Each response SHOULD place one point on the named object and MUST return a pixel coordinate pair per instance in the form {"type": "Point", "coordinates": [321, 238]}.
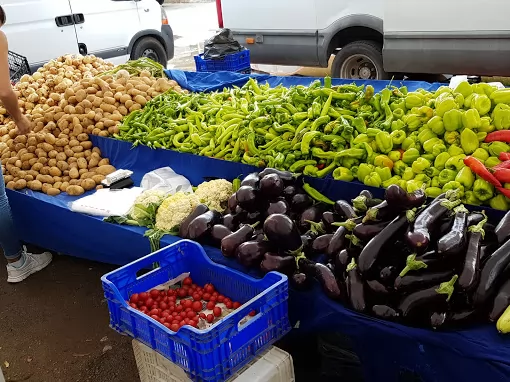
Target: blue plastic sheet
{"type": "Point", "coordinates": [385, 348]}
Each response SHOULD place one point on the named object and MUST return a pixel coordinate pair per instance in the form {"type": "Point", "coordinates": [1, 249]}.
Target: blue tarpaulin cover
{"type": "Point", "coordinates": [385, 348]}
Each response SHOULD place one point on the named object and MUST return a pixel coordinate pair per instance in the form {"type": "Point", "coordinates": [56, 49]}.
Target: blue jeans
{"type": "Point", "coordinates": [8, 239]}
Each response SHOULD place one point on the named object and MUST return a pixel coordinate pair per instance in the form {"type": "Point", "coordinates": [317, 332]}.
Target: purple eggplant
{"type": "Point", "coordinates": [275, 262]}
{"type": "Point", "coordinates": [219, 231]}
{"type": "Point", "coordinates": [320, 244]}
{"type": "Point", "coordinates": [286, 176]}
{"type": "Point", "coordinates": [399, 198]}
{"type": "Point", "coordinates": [328, 218]}
{"type": "Point", "coordinates": [311, 214]}
{"type": "Point", "coordinates": [289, 192]}
{"type": "Point", "coordinates": [232, 203]}
{"type": "Point", "coordinates": [251, 180]}
{"type": "Point", "coordinates": [366, 232]}
{"type": "Point", "coordinates": [254, 217]}
{"type": "Point", "coordinates": [322, 274]}
{"type": "Point", "coordinates": [385, 312]}
{"type": "Point", "coordinates": [382, 212]}
{"type": "Point", "coordinates": [502, 230]}
{"type": "Point", "coordinates": [229, 221]}
{"type": "Point", "coordinates": [344, 209]}
{"type": "Point", "coordinates": [199, 210]}
{"type": "Point", "coordinates": [501, 302]}
{"type": "Point", "coordinates": [251, 253]}
{"type": "Point", "coordinates": [282, 232]}
{"type": "Point", "coordinates": [470, 274]}
{"type": "Point", "coordinates": [278, 207]}
{"type": "Point", "coordinates": [337, 243]}
{"type": "Point", "coordinates": [455, 241]}
{"type": "Point", "coordinates": [376, 287]}
{"type": "Point", "coordinates": [388, 274]}
{"type": "Point", "coordinates": [271, 186]}
{"type": "Point", "coordinates": [201, 226]}
{"type": "Point", "coordinates": [300, 202]}
{"type": "Point", "coordinates": [248, 198]}
{"type": "Point", "coordinates": [364, 201]}
{"type": "Point", "coordinates": [420, 280]}
{"type": "Point", "coordinates": [453, 319]}
{"type": "Point", "coordinates": [474, 218]}
{"type": "Point", "coordinates": [355, 287]}
{"type": "Point", "coordinates": [230, 243]}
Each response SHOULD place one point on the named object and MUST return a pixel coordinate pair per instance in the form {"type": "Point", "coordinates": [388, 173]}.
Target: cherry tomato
{"type": "Point", "coordinates": [236, 305]}
{"type": "Point", "coordinates": [155, 317]}
{"type": "Point", "coordinates": [163, 305]}
{"type": "Point", "coordinates": [194, 323]}
{"type": "Point", "coordinates": [229, 304]}
{"type": "Point", "coordinates": [202, 315]}
{"type": "Point", "coordinates": [210, 318]}
{"type": "Point", "coordinates": [206, 296]}
{"type": "Point", "coordinates": [170, 293]}
{"type": "Point", "coordinates": [197, 306]}
{"type": "Point", "coordinates": [179, 308]}
{"type": "Point", "coordinates": [143, 296]}
{"type": "Point", "coordinates": [162, 320]}
{"type": "Point", "coordinates": [186, 320]}
{"type": "Point", "coordinates": [154, 312]}
{"type": "Point", "coordinates": [217, 311]}
{"type": "Point", "coordinates": [172, 298]}
{"type": "Point", "coordinates": [197, 297]}
{"type": "Point", "coordinates": [188, 303]}
{"type": "Point", "coordinates": [143, 309]}
{"type": "Point", "coordinates": [182, 293]}
{"type": "Point", "coordinates": [169, 326]}
{"type": "Point", "coordinates": [165, 299]}
{"type": "Point", "coordinates": [175, 322]}
{"type": "Point", "coordinates": [191, 315]}
{"type": "Point", "coordinates": [188, 310]}
{"type": "Point", "coordinates": [171, 308]}
{"type": "Point", "coordinates": [209, 288]}
{"type": "Point", "coordinates": [215, 294]}
{"type": "Point", "coordinates": [166, 313]}
{"type": "Point", "coordinates": [132, 305]}
{"type": "Point", "coordinates": [154, 293]}
{"type": "Point", "coordinates": [159, 298]}
{"type": "Point", "coordinates": [187, 281]}
{"type": "Point", "coordinates": [252, 313]}
{"type": "Point", "coordinates": [213, 299]}
{"type": "Point", "coordinates": [174, 327]}
{"type": "Point", "coordinates": [221, 298]}
{"type": "Point", "coordinates": [182, 323]}
{"type": "Point", "coordinates": [134, 298]}
{"type": "Point", "coordinates": [210, 305]}
{"type": "Point", "coordinates": [149, 302]}
{"type": "Point", "coordinates": [162, 293]}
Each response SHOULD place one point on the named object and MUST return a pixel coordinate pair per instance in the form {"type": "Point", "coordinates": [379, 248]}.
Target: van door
{"type": "Point", "coordinates": [453, 39]}
{"type": "Point", "coordinates": [105, 27]}
{"type": "Point", "coordinates": [40, 31]}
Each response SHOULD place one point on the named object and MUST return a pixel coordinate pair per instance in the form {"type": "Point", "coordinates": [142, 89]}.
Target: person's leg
{"type": "Point", "coordinates": [8, 239]}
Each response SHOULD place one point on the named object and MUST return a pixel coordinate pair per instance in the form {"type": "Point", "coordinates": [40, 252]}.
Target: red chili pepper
{"type": "Point", "coordinates": [500, 136]}
{"type": "Point", "coordinates": [504, 156]}
{"type": "Point", "coordinates": [504, 191]}
{"type": "Point", "coordinates": [479, 169]}
{"type": "Point", "coordinates": [503, 175]}
{"type": "Point", "coordinates": [320, 166]}
{"type": "Point", "coordinates": [505, 164]}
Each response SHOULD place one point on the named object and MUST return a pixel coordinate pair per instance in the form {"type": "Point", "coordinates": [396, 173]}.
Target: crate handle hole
{"type": "Point", "coordinates": [144, 271]}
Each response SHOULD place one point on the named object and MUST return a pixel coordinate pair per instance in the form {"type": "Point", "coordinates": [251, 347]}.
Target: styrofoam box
{"type": "Point", "coordinates": [275, 365]}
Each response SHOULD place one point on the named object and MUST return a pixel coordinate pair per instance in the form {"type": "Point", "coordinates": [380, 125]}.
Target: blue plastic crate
{"type": "Point", "coordinates": [216, 353]}
{"type": "Point", "coordinates": [235, 62]}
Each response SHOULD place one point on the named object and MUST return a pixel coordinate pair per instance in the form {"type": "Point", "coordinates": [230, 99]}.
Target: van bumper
{"type": "Point", "coordinates": [168, 36]}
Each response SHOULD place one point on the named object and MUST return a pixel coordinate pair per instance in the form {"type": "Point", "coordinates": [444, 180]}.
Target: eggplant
{"type": "Point", "coordinates": [355, 287]}
{"type": "Point", "coordinates": [502, 230]}
{"type": "Point", "coordinates": [229, 222]}
{"type": "Point", "coordinates": [311, 214]}
{"type": "Point", "coordinates": [372, 251]}
{"type": "Point", "coordinates": [434, 297]}
{"type": "Point", "coordinates": [300, 281]}
{"type": "Point", "coordinates": [364, 201]}
{"type": "Point", "coordinates": [388, 274]}
{"type": "Point", "coordinates": [248, 198]}
{"type": "Point", "coordinates": [320, 244]}
{"type": "Point", "coordinates": [493, 274]}
{"type": "Point", "coordinates": [490, 234]}
{"type": "Point", "coordinates": [300, 202]}
{"type": "Point", "coordinates": [342, 260]}
{"type": "Point", "coordinates": [344, 209]}
{"type": "Point", "coordinates": [219, 231]}
{"type": "Point", "coordinates": [383, 211]}
{"type": "Point", "coordinates": [367, 232]}
{"type": "Point", "coordinates": [278, 207]}
{"type": "Point", "coordinates": [251, 180]}
{"type": "Point", "coordinates": [251, 253]}
{"type": "Point", "coordinates": [421, 280]}
{"type": "Point", "coordinates": [328, 218]}
{"type": "Point", "coordinates": [274, 262]}
{"type": "Point", "coordinates": [258, 235]}
{"type": "Point", "coordinates": [486, 252]}
{"type": "Point", "coordinates": [232, 203]}
{"type": "Point", "coordinates": [199, 210]}
{"type": "Point", "coordinates": [398, 198]}
{"type": "Point", "coordinates": [230, 243]}
{"type": "Point", "coordinates": [444, 226]}
{"type": "Point", "coordinates": [454, 243]}
{"type": "Point", "coordinates": [474, 218]}
{"type": "Point", "coordinates": [282, 232]}
{"type": "Point", "coordinates": [289, 192]}
{"type": "Point", "coordinates": [453, 319]}
{"type": "Point", "coordinates": [501, 302]}
{"type": "Point", "coordinates": [337, 242]}
{"type": "Point", "coordinates": [376, 287]}
{"type": "Point", "coordinates": [286, 176]}
{"type": "Point", "coordinates": [419, 236]}
{"type": "Point", "coordinates": [322, 274]}
{"type": "Point", "coordinates": [202, 225]}
{"type": "Point", "coordinates": [307, 240]}
{"type": "Point", "coordinates": [254, 217]}
{"type": "Point", "coordinates": [385, 312]}
{"type": "Point", "coordinates": [271, 186]}
{"type": "Point", "coordinates": [470, 274]}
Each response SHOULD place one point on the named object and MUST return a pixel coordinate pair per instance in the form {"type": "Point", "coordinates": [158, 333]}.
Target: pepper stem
{"type": "Point", "coordinates": [479, 227]}
{"type": "Point", "coordinates": [447, 287]}
{"type": "Point", "coordinates": [412, 265]}
{"type": "Point", "coordinates": [359, 203]}
{"type": "Point", "coordinates": [352, 265]}
{"type": "Point", "coordinates": [348, 224]}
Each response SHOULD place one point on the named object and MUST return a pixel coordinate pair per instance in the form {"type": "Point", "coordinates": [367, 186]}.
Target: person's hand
{"type": "Point", "coordinates": [24, 125]}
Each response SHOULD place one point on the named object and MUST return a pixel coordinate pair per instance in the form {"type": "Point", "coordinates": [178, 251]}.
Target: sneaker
{"type": "Point", "coordinates": [33, 263]}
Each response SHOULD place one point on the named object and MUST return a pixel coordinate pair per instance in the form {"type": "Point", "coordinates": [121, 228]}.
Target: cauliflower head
{"type": "Point", "coordinates": [175, 209]}
{"type": "Point", "coordinates": [145, 206]}
{"type": "Point", "coordinates": [215, 194]}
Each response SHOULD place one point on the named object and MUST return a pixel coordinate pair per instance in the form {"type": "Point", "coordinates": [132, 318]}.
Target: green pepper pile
{"type": "Point", "coordinates": [413, 139]}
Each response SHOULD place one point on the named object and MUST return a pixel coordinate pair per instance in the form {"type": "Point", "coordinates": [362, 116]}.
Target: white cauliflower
{"type": "Point", "coordinates": [215, 194]}
{"type": "Point", "coordinates": [174, 210]}
{"type": "Point", "coordinates": [151, 197]}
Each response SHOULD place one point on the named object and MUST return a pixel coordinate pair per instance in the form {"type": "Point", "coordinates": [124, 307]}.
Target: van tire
{"type": "Point", "coordinates": [367, 55]}
{"type": "Point", "coordinates": [151, 48]}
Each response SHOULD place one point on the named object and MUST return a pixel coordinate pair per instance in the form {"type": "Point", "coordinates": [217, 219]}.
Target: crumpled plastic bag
{"type": "Point", "coordinates": [220, 45]}
{"type": "Point", "coordinates": [167, 180]}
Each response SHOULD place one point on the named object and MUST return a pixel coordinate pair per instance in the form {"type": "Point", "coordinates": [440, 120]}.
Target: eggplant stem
{"type": "Point", "coordinates": [412, 265]}
{"type": "Point", "coordinates": [316, 227]}
{"type": "Point", "coordinates": [450, 204]}
{"type": "Point", "coordinates": [411, 215]}
{"type": "Point", "coordinates": [359, 203]}
{"type": "Point", "coordinates": [479, 227]}
{"type": "Point", "coordinates": [371, 215]}
{"type": "Point", "coordinates": [348, 224]}
{"type": "Point", "coordinates": [254, 225]}
{"type": "Point", "coordinates": [352, 265]}
{"type": "Point", "coordinates": [299, 256]}
{"type": "Point", "coordinates": [447, 287]}
{"type": "Point", "coordinates": [461, 208]}
{"type": "Point", "coordinates": [354, 240]}
{"type": "Point", "coordinates": [452, 194]}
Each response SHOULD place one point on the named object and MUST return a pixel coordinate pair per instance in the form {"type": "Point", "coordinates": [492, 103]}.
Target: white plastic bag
{"type": "Point", "coordinates": [167, 180]}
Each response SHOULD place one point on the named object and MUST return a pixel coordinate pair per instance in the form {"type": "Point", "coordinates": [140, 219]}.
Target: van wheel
{"type": "Point", "coordinates": [360, 60]}
{"type": "Point", "coordinates": [151, 48]}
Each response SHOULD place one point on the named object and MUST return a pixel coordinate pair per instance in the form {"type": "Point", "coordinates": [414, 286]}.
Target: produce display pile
{"type": "Point", "coordinates": [442, 140]}
{"type": "Point", "coordinates": [68, 99]}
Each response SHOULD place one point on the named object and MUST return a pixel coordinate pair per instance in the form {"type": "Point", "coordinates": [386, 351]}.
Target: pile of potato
{"type": "Point", "coordinates": [67, 102]}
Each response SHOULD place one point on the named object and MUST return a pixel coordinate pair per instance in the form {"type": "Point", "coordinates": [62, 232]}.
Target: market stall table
{"type": "Point", "coordinates": [385, 348]}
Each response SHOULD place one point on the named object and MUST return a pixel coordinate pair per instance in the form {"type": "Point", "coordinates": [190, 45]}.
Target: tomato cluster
{"type": "Point", "coordinates": [174, 309]}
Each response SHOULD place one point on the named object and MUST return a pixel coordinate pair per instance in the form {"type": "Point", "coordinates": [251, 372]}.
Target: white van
{"type": "Point", "coordinates": [117, 30]}
{"type": "Point", "coordinates": [374, 39]}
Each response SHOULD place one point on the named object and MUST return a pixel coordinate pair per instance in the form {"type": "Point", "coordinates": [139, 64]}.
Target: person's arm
{"type": "Point", "coordinates": [7, 95]}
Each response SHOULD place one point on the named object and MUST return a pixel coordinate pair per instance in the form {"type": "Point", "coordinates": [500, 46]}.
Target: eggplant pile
{"type": "Point", "coordinates": [401, 259]}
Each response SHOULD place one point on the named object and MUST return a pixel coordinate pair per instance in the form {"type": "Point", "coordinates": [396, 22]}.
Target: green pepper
{"type": "Point", "coordinates": [491, 162]}
{"type": "Point", "coordinates": [414, 185]}
{"type": "Point", "coordinates": [373, 179]}
{"type": "Point", "coordinates": [359, 124]}
{"type": "Point", "coordinates": [399, 167]}
{"type": "Point", "coordinates": [452, 120]}
{"type": "Point", "coordinates": [410, 156]}
{"type": "Point", "coordinates": [456, 162]}
{"type": "Point", "coordinates": [482, 104]}
{"type": "Point", "coordinates": [468, 141]}
{"type": "Point", "coordinates": [433, 192]}
{"type": "Point", "coordinates": [431, 171]}
{"type": "Point", "coordinates": [307, 140]}
{"type": "Point", "coordinates": [453, 185]}
{"type": "Point", "coordinates": [393, 180]}
{"type": "Point", "coordinates": [438, 149]}
{"type": "Point", "coordinates": [322, 173]}
{"type": "Point", "coordinates": [496, 148]}
{"type": "Point", "coordinates": [423, 178]}
{"type": "Point", "coordinates": [354, 171]}
{"type": "Point", "coordinates": [360, 139]}
{"type": "Point", "coordinates": [501, 96]}
{"type": "Point", "coordinates": [468, 101]}
{"type": "Point", "coordinates": [402, 184]}
{"type": "Point", "coordinates": [501, 116]}
{"type": "Point", "coordinates": [481, 154]}
{"type": "Point", "coordinates": [465, 177]}
{"type": "Point", "coordinates": [454, 150]}
{"type": "Point", "coordinates": [459, 99]}
{"type": "Point", "coordinates": [470, 198]}
{"type": "Point", "coordinates": [397, 137]}
{"type": "Point", "coordinates": [398, 125]}
{"type": "Point", "coordinates": [408, 174]}
{"type": "Point", "coordinates": [412, 121]}
{"type": "Point", "coordinates": [394, 155]}
{"type": "Point", "coordinates": [383, 172]}
{"type": "Point", "coordinates": [434, 182]}
{"type": "Point", "coordinates": [355, 152]}
{"type": "Point", "coordinates": [364, 169]}
{"type": "Point", "coordinates": [419, 165]}
{"type": "Point", "coordinates": [398, 113]}
{"type": "Point", "coordinates": [452, 137]}
{"type": "Point", "coordinates": [499, 202]}
{"type": "Point", "coordinates": [426, 134]}
{"type": "Point", "coordinates": [384, 142]}
{"type": "Point", "coordinates": [436, 125]}
{"type": "Point", "coordinates": [383, 161]}
{"type": "Point", "coordinates": [446, 176]}
{"type": "Point", "coordinates": [464, 88]}
{"type": "Point", "coordinates": [399, 104]}
{"type": "Point", "coordinates": [471, 119]}
{"type": "Point", "coordinates": [444, 105]}
{"type": "Point", "coordinates": [483, 190]}
{"type": "Point", "coordinates": [349, 162]}
{"type": "Point", "coordinates": [342, 173]}
{"type": "Point", "coordinates": [413, 100]}
{"type": "Point", "coordinates": [486, 125]}
{"type": "Point", "coordinates": [300, 164]}
{"type": "Point", "coordinates": [429, 145]}
{"type": "Point", "coordinates": [481, 136]}
{"type": "Point", "coordinates": [410, 142]}
{"type": "Point", "coordinates": [372, 132]}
